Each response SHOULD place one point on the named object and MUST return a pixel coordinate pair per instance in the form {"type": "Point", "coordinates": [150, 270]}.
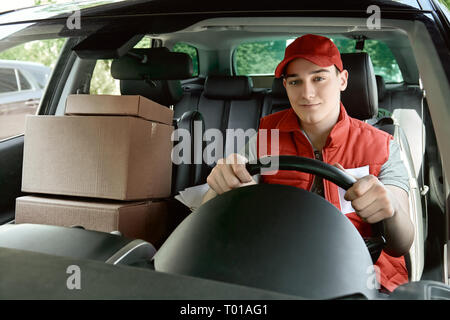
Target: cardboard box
{"type": "Point", "coordinates": [111, 157]}
{"type": "Point", "coordinates": [85, 104]}
{"type": "Point", "coordinates": [146, 220]}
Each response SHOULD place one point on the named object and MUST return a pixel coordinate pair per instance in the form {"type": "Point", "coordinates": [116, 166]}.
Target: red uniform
{"type": "Point", "coordinates": [353, 144]}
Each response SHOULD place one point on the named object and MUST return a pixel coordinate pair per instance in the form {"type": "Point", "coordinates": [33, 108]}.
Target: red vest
{"type": "Point", "coordinates": [353, 144]}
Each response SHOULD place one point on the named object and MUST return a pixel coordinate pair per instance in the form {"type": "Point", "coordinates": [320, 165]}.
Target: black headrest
{"type": "Point", "coordinates": [381, 87]}
{"type": "Point", "coordinates": [278, 89]}
{"type": "Point", "coordinates": [165, 92]}
{"type": "Point", "coordinates": [228, 87]}
{"type": "Point", "coordinates": [360, 98]}
{"type": "Point", "coordinates": [152, 63]}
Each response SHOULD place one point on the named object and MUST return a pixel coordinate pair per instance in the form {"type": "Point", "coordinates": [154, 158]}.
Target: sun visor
{"type": "Point", "coordinates": [152, 64]}
{"type": "Point", "coordinates": [106, 45]}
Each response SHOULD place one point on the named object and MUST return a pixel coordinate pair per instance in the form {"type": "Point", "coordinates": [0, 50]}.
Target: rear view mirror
{"type": "Point", "coordinates": [106, 46]}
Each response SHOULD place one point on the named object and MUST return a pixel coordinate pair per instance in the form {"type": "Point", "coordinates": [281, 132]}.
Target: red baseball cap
{"type": "Point", "coordinates": [317, 49]}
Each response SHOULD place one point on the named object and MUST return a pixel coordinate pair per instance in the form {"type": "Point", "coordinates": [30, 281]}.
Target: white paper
{"type": "Point", "coordinates": [346, 206]}
{"type": "Point", "coordinates": [192, 196]}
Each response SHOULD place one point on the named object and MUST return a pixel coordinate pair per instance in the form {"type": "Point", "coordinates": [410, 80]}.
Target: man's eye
{"type": "Point", "coordinates": [293, 83]}
{"type": "Point", "coordinates": [319, 78]}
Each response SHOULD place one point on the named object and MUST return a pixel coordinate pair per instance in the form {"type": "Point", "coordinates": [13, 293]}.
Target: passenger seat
{"type": "Point", "coordinates": [405, 104]}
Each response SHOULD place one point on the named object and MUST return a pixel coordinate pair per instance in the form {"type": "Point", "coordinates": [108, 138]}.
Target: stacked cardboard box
{"type": "Point", "coordinates": [106, 147]}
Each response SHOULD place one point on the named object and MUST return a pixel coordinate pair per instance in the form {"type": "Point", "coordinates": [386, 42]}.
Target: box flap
{"type": "Point", "coordinates": [151, 110]}
{"type": "Point", "coordinates": [127, 105]}
{"type": "Point", "coordinates": [80, 202]}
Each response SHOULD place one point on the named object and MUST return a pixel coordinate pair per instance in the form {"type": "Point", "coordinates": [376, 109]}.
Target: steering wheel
{"type": "Point", "coordinates": [275, 237]}
{"type": "Point", "coordinates": [376, 243]}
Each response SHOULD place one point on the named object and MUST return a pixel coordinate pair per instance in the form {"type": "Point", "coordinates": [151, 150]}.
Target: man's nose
{"type": "Point", "coordinates": [308, 91]}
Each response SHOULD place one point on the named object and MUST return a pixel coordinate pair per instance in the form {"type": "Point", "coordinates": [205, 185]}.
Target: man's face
{"type": "Point", "coordinates": [314, 91]}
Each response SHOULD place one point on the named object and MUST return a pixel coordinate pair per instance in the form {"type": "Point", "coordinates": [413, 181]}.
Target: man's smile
{"type": "Point", "coordinates": [309, 105]}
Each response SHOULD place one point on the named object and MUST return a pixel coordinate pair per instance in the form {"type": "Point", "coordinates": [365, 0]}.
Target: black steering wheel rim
{"type": "Point", "coordinates": [376, 243]}
{"type": "Point", "coordinates": [303, 164]}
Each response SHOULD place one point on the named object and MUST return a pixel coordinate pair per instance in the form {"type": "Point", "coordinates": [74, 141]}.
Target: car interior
{"type": "Point", "coordinates": [222, 99]}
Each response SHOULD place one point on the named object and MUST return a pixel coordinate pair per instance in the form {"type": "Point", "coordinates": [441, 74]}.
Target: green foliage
{"type": "Point", "coordinates": [262, 57]}
{"type": "Point", "coordinates": [46, 52]}
{"type": "Point", "coordinates": [145, 42]}
{"type": "Point", "coordinates": [102, 82]}
{"type": "Point", "coordinates": [41, 51]}
{"type": "Point", "coordinates": [191, 51]}
{"type": "Point", "coordinates": [383, 60]}
{"type": "Point", "coordinates": [258, 57]}
{"type": "Point", "coordinates": [41, 2]}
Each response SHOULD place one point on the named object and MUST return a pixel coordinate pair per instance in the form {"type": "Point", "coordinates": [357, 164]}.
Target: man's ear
{"type": "Point", "coordinates": [284, 82]}
{"type": "Point", "coordinates": [343, 80]}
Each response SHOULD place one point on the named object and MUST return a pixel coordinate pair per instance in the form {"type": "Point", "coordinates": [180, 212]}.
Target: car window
{"type": "Point", "coordinates": [258, 58]}
{"type": "Point", "coordinates": [8, 81]}
{"type": "Point", "coordinates": [102, 82]}
{"type": "Point", "coordinates": [145, 42]}
{"type": "Point", "coordinates": [262, 57]}
{"type": "Point", "coordinates": [24, 84]}
{"type": "Point", "coordinates": [24, 72]}
{"type": "Point", "coordinates": [192, 52]}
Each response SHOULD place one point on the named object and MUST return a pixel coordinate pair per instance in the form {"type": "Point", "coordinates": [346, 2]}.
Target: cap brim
{"type": "Point", "coordinates": [321, 61]}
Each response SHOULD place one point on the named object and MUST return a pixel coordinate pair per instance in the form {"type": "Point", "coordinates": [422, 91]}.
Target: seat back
{"type": "Point", "coordinates": [231, 110]}
{"type": "Point", "coordinates": [360, 98]}
{"type": "Point", "coordinates": [277, 99]}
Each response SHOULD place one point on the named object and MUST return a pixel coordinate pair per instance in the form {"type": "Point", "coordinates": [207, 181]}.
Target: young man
{"type": "Point", "coordinates": [318, 126]}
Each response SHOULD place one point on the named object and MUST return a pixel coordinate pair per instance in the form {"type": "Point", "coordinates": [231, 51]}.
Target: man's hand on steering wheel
{"type": "Point", "coordinates": [371, 200]}
{"type": "Point", "coordinates": [229, 173]}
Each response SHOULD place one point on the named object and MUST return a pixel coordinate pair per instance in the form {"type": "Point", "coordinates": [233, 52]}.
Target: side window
{"type": "Point", "coordinates": [24, 72]}
{"type": "Point", "coordinates": [8, 81]}
{"type": "Point", "coordinates": [192, 52]}
{"type": "Point", "coordinates": [24, 84]}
